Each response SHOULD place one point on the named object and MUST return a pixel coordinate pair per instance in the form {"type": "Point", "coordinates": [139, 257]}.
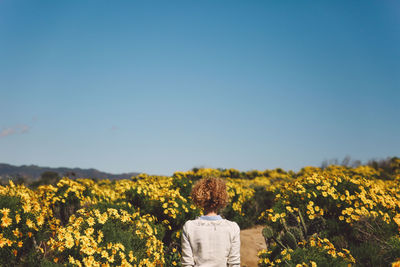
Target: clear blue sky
{"type": "Point", "coordinates": [162, 86]}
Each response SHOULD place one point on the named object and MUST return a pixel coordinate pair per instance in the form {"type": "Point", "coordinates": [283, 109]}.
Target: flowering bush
{"type": "Point", "coordinates": [313, 252]}
{"type": "Point", "coordinates": [109, 236]}
{"type": "Point", "coordinates": [24, 224]}
{"type": "Point", "coordinates": [355, 213]}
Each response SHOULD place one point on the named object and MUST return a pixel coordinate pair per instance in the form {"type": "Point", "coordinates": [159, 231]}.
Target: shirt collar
{"type": "Point", "coordinates": [211, 218]}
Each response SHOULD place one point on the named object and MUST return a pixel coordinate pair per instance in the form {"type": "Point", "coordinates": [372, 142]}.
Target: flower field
{"type": "Point", "coordinates": [337, 216]}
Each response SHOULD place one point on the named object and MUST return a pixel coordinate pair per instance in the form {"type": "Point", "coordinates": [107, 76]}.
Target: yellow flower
{"type": "Point", "coordinates": [396, 219]}
{"type": "Point", "coordinates": [16, 232]}
{"type": "Point", "coordinates": [5, 211]}
{"type": "Point", "coordinates": [29, 223]}
{"type": "Point", "coordinates": [6, 221]}
{"type": "Point", "coordinates": [103, 218]}
{"type": "Point", "coordinates": [90, 221]}
{"type": "Point", "coordinates": [89, 231]}
{"type": "Point", "coordinates": [69, 243]}
{"type": "Point", "coordinates": [17, 218]}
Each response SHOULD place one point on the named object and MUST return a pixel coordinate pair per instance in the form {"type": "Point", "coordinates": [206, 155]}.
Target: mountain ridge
{"type": "Point", "coordinates": [34, 172]}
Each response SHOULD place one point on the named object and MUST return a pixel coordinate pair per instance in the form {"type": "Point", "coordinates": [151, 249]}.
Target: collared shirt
{"type": "Point", "coordinates": [210, 241]}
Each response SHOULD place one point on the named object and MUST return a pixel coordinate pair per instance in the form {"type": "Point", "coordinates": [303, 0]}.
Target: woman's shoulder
{"type": "Point", "coordinates": [233, 224]}
{"type": "Point", "coordinates": [188, 223]}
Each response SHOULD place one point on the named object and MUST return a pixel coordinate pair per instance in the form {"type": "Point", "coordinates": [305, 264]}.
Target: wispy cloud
{"type": "Point", "coordinates": [24, 128]}
{"type": "Point", "coordinates": [18, 129]}
{"type": "Point", "coordinates": [7, 131]}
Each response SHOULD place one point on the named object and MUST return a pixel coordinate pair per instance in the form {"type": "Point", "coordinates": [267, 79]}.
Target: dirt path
{"type": "Point", "coordinates": [251, 241]}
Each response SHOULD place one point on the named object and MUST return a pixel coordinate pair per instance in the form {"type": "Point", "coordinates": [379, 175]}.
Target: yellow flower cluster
{"type": "Point", "coordinates": [353, 197]}
{"type": "Point", "coordinates": [22, 219]}
{"type": "Point", "coordinates": [267, 175]}
{"type": "Point", "coordinates": [330, 249]}
{"type": "Point", "coordinates": [203, 172]}
{"type": "Point", "coordinates": [396, 263]}
{"type": "Point", "coordinates": [70, 188]}
{"type": "Point", "coordinates": [84, 235]}
{"type": "Point", "coordinates": [344, 195]}
{"type": "Point", "coordinates": [238, 193]}
{"type": "Point", "coordinates": [71, 211]}
{"type": "Point", "coordinates": [285, 257]}
{"type": "Point", "coordinates": [157, 189]}
{"type": "Point", "coordinates": [314, 210]}
{"type": "Point", "coordinates": [274, 216]}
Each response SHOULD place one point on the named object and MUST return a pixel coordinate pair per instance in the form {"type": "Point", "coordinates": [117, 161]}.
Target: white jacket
{"type": "Point", "coordinates": [211, 243]}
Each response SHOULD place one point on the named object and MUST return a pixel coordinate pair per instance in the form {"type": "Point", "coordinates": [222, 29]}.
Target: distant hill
{"type": "Point", "coordinates": [33, 172]}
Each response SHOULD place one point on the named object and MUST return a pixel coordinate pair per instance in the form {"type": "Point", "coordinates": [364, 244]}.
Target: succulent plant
{"type": "Point", "coordinates": [293, 231]}
{"type": "Point", "coordinates": [296, 231]}
{"type": "Point", "coordinates": [268, 232]}
{"type": "Point", "coordinates": [289, 240]}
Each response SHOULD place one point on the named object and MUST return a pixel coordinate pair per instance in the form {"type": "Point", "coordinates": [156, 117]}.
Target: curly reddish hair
{"type": "Point", "coordinates": [210, 194]}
